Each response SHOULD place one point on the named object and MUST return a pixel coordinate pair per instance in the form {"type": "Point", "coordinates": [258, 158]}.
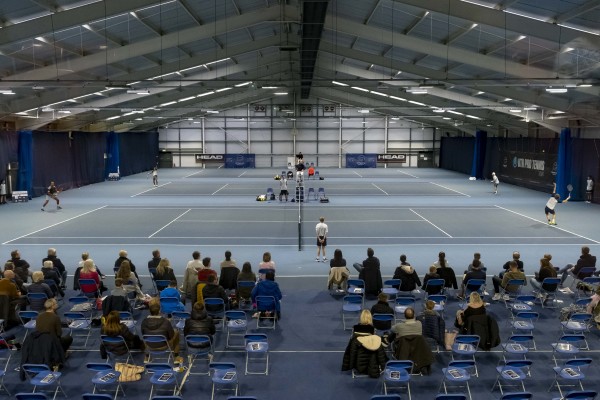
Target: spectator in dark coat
{"type": "Point", "coordinates": [546, 271]}
{"type": "Point", "coordinates": [585, 260]}
{"type": "Point", "coordinates": [21, 266]}
{"type": "Point", "coordinates": [268, 287]}
{"type": "Point", "coordinates": [51, 275]}
{"type": "Point", "coordinates": [49, 322]}
{"type": "Point", "coordinates": [365, 354]}
{"type": "Point", "coordinates": [213, 290]}
{"type": "Point", "coordinates": [58, 266]}
{"type": "Point", "coordinates": [164, 272]}
{"type": "Point", "coordinates": [200, 323]}
{"type": "Point", "coordinates": [39, 286]}
{"type": "Point", "coordinates": [9, 266]}
{"type": "Point", "coordinates": [434, 326]}
{"type": "Point", "coordinates": [382, 307]}
{"type": "Point", "coordinates": [474, 272]}
{"type": "Point", "coordinates": [516, 258]}
{"type": "Point", "coordinates": [156, 324]}
{"type": "Point", "coordinates": [245, 276]}
{"type": "Point", "coordinates": [153, 263]}
{"type": "Point", "coordinates": [408, 276]}
{"type": "Point", "coordinates": [119, 261]}
{"type": "Point", "coordinates": [446, 272]}
{"type": "Point", "coordinates": [432, 274]}
{"type": "Point", "coordinates": [113, 327]}
{"type": "Point", "coordinates": [229, 273]}
{"type": "Point", "coordinates": [370, 272]}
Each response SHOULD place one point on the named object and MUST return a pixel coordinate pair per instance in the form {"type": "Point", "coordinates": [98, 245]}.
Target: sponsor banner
{"type": "Point", "coordinates": [359, 160]}
{"type": "Point", "coordinates": [534, 168]}
{"type": "Point", "coordinates": [208, 158]}
{"type": "Point", "coordinates": [391, 158]}
{"type": "Point", "coordinates": [240, 161]}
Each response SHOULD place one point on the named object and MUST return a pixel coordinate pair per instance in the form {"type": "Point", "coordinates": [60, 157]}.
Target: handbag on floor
{"type": "Point", "coordinates": [449, 339]}
{"type": "Point", "coordinates": [129, 372]}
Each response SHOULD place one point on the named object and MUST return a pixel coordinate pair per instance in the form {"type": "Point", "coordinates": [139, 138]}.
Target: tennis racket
{"type": "Point", "coordinates": [570, 189]}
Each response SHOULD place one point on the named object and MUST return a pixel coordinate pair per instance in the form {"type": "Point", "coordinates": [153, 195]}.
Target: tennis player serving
{"type": "Point", "coordinates": [551, 205]}
{"type": "Point", "coordinates": [52, 193]}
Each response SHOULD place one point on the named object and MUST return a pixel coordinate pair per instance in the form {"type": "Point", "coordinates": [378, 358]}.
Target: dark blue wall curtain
{"type": "Point", "coordinates": [112, 154]}
{"type": "Point", "coordinates": [585, 161]}
{"type": "Point", "coordinates": [456, 154]}
{"type": "Point", "coordinates": [53, 161]}
{"type": "Point", "coordinates": [479, 149]}
{"type": "Point", "coordinates": [563, 173]}
{"type": "Point", "coordinates": [139, 152]}
{"type": "Point", "coordinates": [25, 180]}
{"type": "Point", "coordinates": [88, 157]}
{"type": "Point", "coordinates": [9, 150]}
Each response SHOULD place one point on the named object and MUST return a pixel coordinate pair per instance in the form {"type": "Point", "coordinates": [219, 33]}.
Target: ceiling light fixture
{"type": "Point", "coordinates": [6, 91]}
{"type": "Point", "coordinates": [416, 91]}
{"type": "Point", "coordinates": [515, 110]}
{"type": "Point", "coordinates": [438, 110]}
{"type": "Point", "coordinates": [532, 108]}
{"type": "Point", "coordinates": [243, 84]}
{"type": "Point", "coordinates": [339, 83]}
{"type": "Point", "coordinates": [584, 85]}
{"type": "Point", "coordinates": [280, 93]}
{"type": "Point", "coordinates": [269, 87]}
{"type": "Point", "coordinates": [556, 90]}
{"type": "Point", "coordinates": [138, 91]}
{"type": "Point", "coordinates": [212, 111]}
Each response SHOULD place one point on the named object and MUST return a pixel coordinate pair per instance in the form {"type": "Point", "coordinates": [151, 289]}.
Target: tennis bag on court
{"type": "Point", "coordinates": [324, 200]}
{"type": "Point", "coordinates": [261, 197]}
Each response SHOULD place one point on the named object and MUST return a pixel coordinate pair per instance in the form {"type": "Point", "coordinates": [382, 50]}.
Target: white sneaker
{"type": "Point", "coordinates": [324, 259]}
{"type": "Point", "coordinates": [497, 296]}
{"type": "Point", "coordinates": [506, 297]}
{"type": "Point", "coordinates": [567, 290]}
{"type": "Point", "coordinates": [317, 259]}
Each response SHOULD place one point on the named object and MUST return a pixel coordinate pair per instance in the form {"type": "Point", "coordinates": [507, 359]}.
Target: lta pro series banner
{"type": "Point", "coordinates": [529, 169]}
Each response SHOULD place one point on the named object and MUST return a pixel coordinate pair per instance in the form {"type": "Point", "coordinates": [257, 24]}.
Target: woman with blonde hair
{"type": "Point", "coordinates": [88, 271]}
{"type": "Point", "coordinates": [164, 272]}
{"type": "Point", "coordinates": [475, 306]}
{"type": "Point", "coordinates": [365, 324]}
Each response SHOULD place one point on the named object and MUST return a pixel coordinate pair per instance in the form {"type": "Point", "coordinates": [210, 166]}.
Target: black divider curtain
{"type": "Point", "coordinates": [585, 161]}
{"type": "Point", "coordinates": [9, 150]}
{"type": "Point", "coordinates": [88, 157]}
{"type": "Point", "coordinates": [52, 161]}
{"type": "Point", "coordinates": [456, 154]}
{"type": "Point", "coordinates": [138, 152]}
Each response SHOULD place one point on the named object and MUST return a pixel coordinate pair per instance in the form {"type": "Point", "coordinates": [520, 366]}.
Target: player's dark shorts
{"type": "Point", "coordinates": [549, 211]}
{"type": "Point", "coordinates": [283, 193]}
{"type": "Point", "coordinates": [324, 242]}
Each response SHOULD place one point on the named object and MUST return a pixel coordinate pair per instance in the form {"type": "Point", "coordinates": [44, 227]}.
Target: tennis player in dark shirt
{"type": "Point", "coordinates": [52, 193]}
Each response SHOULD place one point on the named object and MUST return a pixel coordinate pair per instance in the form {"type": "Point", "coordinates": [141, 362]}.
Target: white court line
{"type": "Point", "coordinates": [240, 175]}
{"type": "Point", "coordinates": [380, 189]}
{"type": "Point", "coordinates": [222, 187]}
{"type": "Point", "coordinates": [194, 173]}
{"type": "Point", "coordinates": [164, 184]}
{"type": "Point", "coordinates": [53, 225]}
{"type": "Point", "coordinates": [447, 188]}
{"type": "Point", "coordinates": [406, 173]}
{"type": "Point", "coordinates": [357, 174]}
{"type": "Point", "coordinates": [195, 221]}
{"type": "Point", "coordinates": [180, 215]}
{"type": "Point", "coordinates": [270, 210]}
{"type": "Point", "coordinates": [545, 223]}
{"type": "Point", "coordinates": [434, 225]}
{"type": "Point", "coordinates": [295, 245]}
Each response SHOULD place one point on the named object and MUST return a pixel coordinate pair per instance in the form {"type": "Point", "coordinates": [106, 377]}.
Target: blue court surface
{"type": "Point", "coordinates": [417, 212]}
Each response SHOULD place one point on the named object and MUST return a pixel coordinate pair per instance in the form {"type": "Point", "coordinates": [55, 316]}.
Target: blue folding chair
{"type": "Point", "coordinates": [457, 375]}
{"type": "Point", "coordinates": [465, 348]}
{"type": "Point", "coordinates": [36, 301]}
{"type": "Point", "coordinates": [321, 193]}
{"type": "Point", "coordinates": [41, 377]}
{"type": "Point", "coordinates": [356, 287]}
{"type": "Point", "coordinates": [516, 347]}
{"type": "Point", "coordinates": [579, 395]}
{"type": "Point", "coordinates": [454, 396]}
{"type": "Point", "coordinates": [88, 284]}
{"type": "Point", "coordinates": [401, 304]}
{"type": "Point", "coordinates": [215, 307]}
{"type": "Point", "coordinates": [383, 397]}
{"type": "Point", "coordinates": [161, 284]}
{"type": "Point", "coordinates": [79, 323]}
{"type": "Point", "coordinates": [548, 292]}
{"type": "Point", "coordinates": [236, 325]}
{"type": "Point", "coordinates": [126, 318]}
{"type": "Point", "coordinates": [224, 377]}
{"type": "Point", "coordinates": [524, 323]}
{"type": "Point", "coordinates": [351, 307]}
{"type": "Point", "coordinates": [245, 303]}
{"type": "Point", "coordinates": [591, 282]}
{"type": "Point", "coordinates": [27, 319]}
{"type": "Point", "coordinates": [270, 194]}
{"type": "Point", "coordinates": [568, 346]}
{"type": "Point", "coordinates": [512, 374]}
{"type": "Point", "coordinates": [116, 349]}
{"type": "Point", "coordinates": [267, 307]}
{"type": "Point", "coordinates": [31, 396]}
{"type": "Point", "coordinates": [583, 273]}
{"type": "Point", "coordinates": [383, 320]}
{"type": "Point", "coordinates": [163, 378]}
{"type": "Point", "coordinates": [311, 194]}
{"type": "Point", "coordinates": [199, 348]}
{"type": "Point", "coordinates": [440, 301]}
{"type": "Point", "coordinates": [517, 396]}
{"type": "Point", "coordinates": [578, 324]}
{"type": "Point", "coordinates": [396, 376]}
{"type": "Point", "coordinates": [516, 286]}
{"type": "Point", "coordinates": [5, 356]}
{"type": "Point", "coordinates": [105, 379]}
{"type": "Point", "coordinates": [391, 288]}
{"type": "Point", "coordinates": [434, 286]}
{"type": "Point", "coordinates": [157, 346]}
{"type": "Point", "coordinates": [572, 371]}
{"type": "Point", "coordinates": [257, 351]}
